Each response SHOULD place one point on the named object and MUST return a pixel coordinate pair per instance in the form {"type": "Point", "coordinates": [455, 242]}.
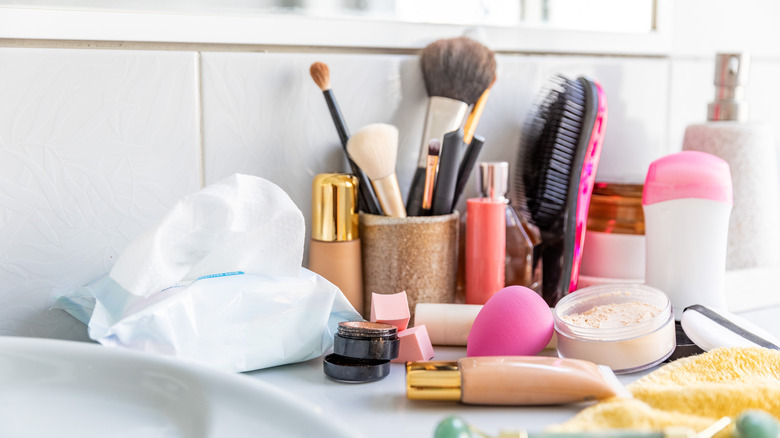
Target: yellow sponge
{"type": "Point", "coordinates": [694, 392]}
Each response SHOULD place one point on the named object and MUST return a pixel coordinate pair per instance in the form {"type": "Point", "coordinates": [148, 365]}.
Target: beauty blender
{"type": "Point", "coordinates": [516, 321]}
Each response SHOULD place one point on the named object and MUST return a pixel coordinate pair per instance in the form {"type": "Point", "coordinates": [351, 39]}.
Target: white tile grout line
{"type": "Point", "coordinates": [201, 121]}
{"type": "Point", "coordinates": [668, 134]}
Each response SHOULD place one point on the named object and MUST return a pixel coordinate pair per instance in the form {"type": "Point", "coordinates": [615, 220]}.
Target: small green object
{"type": "Point", "coordinates": [452, 427]}
{"type": "Point", "coordinates": [757, 424]}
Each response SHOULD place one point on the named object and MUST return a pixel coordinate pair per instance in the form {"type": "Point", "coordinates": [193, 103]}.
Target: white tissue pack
{"type": "Point", "coordinates": [218, 281]}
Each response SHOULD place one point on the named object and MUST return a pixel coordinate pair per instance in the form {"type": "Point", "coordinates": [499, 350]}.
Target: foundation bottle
{"type": "Point", "coordinates": [334, 250]}
{"type": "Point", "coordinates": [522, 265]}
{"type": "Point", "coordinates": [485, 249]}
{"type": "Point", "coordinates": [511, 381]}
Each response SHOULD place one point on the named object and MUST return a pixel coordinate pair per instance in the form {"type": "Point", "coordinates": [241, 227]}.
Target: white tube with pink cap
{"type": "Point", "coordinates": [687, 202]}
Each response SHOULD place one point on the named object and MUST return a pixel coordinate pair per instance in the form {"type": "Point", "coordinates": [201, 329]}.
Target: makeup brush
{"type": "Point", "coordinates": [374, 148]}
{"type": "Point", "coordinates": [456, 72]}
{"type": "Point", "coordinates": [430, 173]}
{"type": "Point", "coordinates": [466, 166]}
{"type": "Point", "coordinates": [476, 113]}
{"type": "Point", "coordinates": [475, 145]}
{"type": "Point", "coordinates": [366, 199]}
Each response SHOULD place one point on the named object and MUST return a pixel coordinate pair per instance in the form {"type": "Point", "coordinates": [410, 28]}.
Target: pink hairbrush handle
{"type": "Point", "coordinates": [587, 180]}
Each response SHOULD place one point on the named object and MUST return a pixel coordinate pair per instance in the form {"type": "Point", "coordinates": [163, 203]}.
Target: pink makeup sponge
{"type": "Point", "coordinates": [415, 345]}
{"type": "Point", "coordinates": [516, 321]}
{"type": "Point", "coordinates": [390, 309]}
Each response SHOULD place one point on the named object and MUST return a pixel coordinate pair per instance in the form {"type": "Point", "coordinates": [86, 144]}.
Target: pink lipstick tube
{"type": "Point", "coordinates": [485, 248]}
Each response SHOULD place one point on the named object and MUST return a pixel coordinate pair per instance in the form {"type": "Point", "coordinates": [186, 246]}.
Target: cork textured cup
{"type": "Point", "coordinates": [416, 254]}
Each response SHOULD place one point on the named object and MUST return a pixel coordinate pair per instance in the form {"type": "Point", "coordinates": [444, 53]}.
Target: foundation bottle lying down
{"type": "Point", "coordinates": [512, 380]}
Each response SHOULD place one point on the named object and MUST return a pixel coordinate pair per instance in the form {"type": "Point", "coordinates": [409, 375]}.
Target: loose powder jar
{"type": "Point", "coordinates": [627, 327]}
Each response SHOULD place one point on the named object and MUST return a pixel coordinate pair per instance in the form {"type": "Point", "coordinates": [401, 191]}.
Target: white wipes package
{"type": "Point", "coordinates": [218, 281]}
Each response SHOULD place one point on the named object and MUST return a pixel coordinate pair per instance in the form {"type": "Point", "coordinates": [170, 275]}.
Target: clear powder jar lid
{"type": "Point", "coordinates": [588, 298]}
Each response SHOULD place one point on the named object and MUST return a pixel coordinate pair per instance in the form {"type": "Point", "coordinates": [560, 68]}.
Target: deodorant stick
{"type": "Point", "coordinates": [687, 202]}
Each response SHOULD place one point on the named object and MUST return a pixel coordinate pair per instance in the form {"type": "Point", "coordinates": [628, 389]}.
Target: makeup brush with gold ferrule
{"type": "Point", "coordinates": [430, 174]}
{"type": "Point", "coordinates": [456, 72]}
{"type": "Point", "coordinates": [375, 148]}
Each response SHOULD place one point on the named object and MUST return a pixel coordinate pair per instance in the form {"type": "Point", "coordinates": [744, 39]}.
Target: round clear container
{"type": "Point", "coordinates": [625, 349]}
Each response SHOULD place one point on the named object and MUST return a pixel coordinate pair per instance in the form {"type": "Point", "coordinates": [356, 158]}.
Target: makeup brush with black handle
{"type": "Point", "coordinates": [366, 198]}
{"type": "Point", "coordinates": [466, 166]}
{"type": "Point", "coordinates": [452, 150]}
{"type": "Point", "coordinates": [456, 72]}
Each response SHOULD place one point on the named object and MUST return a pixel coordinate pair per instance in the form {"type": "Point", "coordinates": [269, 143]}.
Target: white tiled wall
{"type": "Point", "coordinates": [263, 114]}
{"type": "Point", "coordinates": [96, 145]}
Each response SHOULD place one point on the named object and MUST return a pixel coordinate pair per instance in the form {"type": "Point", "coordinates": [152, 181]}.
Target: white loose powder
{"type": "Point", "coordinates": [613, 315]}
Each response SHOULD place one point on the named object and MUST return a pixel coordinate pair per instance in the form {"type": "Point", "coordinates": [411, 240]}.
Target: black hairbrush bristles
{"type": "Point", "coordinates": [551, 137]}
{"type": "Point", "coordinates": [556, 167]}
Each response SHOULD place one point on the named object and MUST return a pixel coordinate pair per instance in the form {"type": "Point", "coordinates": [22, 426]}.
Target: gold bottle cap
{"type": "Point", "coordinates": [433, 380]}
{"type": "Point", "coordinates": [334, 207]}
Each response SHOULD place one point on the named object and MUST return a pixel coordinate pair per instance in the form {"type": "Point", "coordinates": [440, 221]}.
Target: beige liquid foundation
{"type": "Point", "coordinates": [334, 250]}
{"type": "Point", "coordinates": [511, 380]}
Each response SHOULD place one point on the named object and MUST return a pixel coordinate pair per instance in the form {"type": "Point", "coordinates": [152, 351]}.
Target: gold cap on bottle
{"type": "Point", "coordinates": [334, 207]}
{"type": "Point", "coordinates": [433, 380]}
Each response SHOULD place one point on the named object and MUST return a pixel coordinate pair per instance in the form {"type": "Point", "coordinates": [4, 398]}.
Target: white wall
{"type": "Point", "coordinates": [95, 145]}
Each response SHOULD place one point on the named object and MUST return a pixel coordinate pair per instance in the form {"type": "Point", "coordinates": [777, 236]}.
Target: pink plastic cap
{"type": "Point", "coordinates": [415, 345]}
{"type": "Point", "coordinates": [390, 309]}
{"type": "Point", "coordinates": [688, 174]}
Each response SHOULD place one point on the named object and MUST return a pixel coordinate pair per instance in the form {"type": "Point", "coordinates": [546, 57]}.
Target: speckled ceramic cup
{"type": "Point", "coordinates": [413, 254]}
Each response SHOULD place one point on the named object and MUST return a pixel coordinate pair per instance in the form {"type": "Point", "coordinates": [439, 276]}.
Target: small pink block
{"type": "Point", "coordinates": [390, 309]}
{"type": "Point", "coordinates": [415, 345]}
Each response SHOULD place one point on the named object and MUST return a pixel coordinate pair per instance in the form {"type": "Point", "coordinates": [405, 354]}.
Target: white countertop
{"type": "Point", "coordinates": [380, 409]}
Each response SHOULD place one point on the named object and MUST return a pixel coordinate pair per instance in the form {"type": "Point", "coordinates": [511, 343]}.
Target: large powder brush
{"type": "Point", "coordinates": [456, 71]}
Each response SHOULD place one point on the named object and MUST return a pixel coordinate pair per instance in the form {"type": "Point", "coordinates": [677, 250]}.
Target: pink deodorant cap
{"type": "Point", "coordinates": [415, 345]}
{"type": "Point", "coordinates": [390, 309]}
{"type": "Point", "coordinates": [688, 174]}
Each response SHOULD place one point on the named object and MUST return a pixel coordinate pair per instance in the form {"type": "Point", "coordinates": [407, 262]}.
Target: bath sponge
{"type": "Point", "coordinates": [516, 321]}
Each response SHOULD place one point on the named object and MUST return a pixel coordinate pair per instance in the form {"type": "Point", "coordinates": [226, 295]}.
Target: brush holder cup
{"type": "Point", "coordinates": [416, 254]}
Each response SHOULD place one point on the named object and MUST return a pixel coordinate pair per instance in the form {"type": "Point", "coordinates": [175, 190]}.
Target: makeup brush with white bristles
{"type": "Point", "coordinates": [456, 71]}
{"type": "Point", "coordinates": [374, 148]}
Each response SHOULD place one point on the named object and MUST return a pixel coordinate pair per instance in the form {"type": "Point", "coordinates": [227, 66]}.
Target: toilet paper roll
{"type": "Point", "coordinates": [749, 149]}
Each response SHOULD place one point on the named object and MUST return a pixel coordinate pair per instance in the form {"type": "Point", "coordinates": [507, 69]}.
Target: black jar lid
{"type": "Point", "coordinates": [348, 369]}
